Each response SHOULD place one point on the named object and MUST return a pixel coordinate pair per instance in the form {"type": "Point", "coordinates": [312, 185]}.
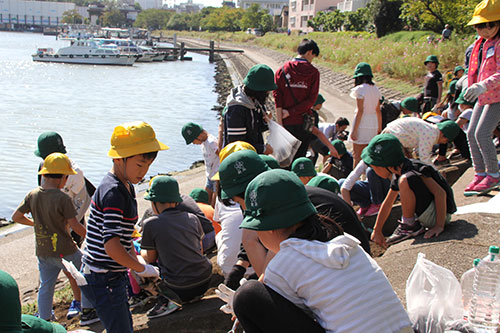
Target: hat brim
{"type": "Point", "coordinates": [162, 199]}
{"type": "Point", "coordinates": [144, 148]}
{"type": "Point", "coordinates": [481, 19]}
{"type": "Point", "coordinates": [279, 219]}
{"type": "Point", "coordinates": [47, 172]}
{"type": "Point", "coordinates": [228, 192]}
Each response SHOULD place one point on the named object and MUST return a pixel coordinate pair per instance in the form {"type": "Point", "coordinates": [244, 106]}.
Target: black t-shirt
{"type": "Point", "coordinates": [416, 169]}
{"type": "Point", "coordinates": [341, 168]}
{"type": "Point", "coordinates": [431, 84]}
{"type": "Point", "coordinates": [330, 204]}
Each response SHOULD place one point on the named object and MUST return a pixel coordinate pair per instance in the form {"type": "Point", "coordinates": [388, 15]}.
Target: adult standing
{"type": "Point", "coordinates": [297, 89]}
{"type": "Point", "coordinates": [446, 34]}
{"type": "Point", "coordinates": [245, 118]}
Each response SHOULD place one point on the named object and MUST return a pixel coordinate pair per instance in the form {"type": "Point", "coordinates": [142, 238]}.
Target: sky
{"type": "Point", "coordinates": [206, 3]}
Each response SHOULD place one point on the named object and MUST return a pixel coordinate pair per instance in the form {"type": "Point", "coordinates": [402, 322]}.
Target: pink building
{"type": "Point", "coordinates": [303, 10]}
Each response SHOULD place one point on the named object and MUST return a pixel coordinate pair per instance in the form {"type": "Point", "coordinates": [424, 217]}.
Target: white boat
{"type": "Point", "coordinates": [85, 52]}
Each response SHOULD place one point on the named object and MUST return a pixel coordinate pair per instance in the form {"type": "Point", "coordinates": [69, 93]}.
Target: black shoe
{"type": "Point", "coordinates": [405, 231]}
{"type": "Point", "coordinates": [162, 308]}
{"type": "Point", "coordinates": [141, 299]}
{"type": "Point", "coordinates": [88, 317]}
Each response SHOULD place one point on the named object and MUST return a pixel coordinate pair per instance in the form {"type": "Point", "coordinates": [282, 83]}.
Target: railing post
{"type": "Point", "coordinates": [211, 57]}
{"type": "Point", "coordinates": [182, 51]}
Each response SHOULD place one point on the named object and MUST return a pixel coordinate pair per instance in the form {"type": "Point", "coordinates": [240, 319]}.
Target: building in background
{"type": "Point", "coordinates": [302, 11]}
{"type": "Point", "coordinates": [228, 3]}
{"type": "Point", "coordinates": [150, 4]}
{"type": "Point", "coordinates": [188, 7]}
{"type": "Point", "coordinates": [274, 7]}
{"type": "Point", "coordinates": [20, 12]}
{"type": "Point", "coordinates": [283, 18]}
{"type": "Point", "coordinates": [352, 5]}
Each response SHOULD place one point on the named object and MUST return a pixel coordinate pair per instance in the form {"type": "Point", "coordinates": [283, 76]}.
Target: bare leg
{"type": "Point", "coordinates": [74, 287]}
{"type": "Point", "coordinates": [357, 149]}
{"type": "Point", "coordinates": [408, 200]}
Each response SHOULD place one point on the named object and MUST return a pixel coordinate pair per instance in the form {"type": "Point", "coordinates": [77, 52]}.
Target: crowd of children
{"type": "Point", "coordinates": [264, 221]}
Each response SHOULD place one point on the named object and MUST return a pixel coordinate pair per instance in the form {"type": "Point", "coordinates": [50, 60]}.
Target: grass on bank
{"type": "Point", "coordinates": [63, 295]}
{"type": "Point", "coordinates": [396, 59]}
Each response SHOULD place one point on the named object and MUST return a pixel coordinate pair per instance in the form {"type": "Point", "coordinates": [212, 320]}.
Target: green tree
{"type": "Point", "coordinates": [385, 15]}
{"type": "Point", "coordinates": [358, 20]}
{"type": "Point", "coordinates": [223, 19]}
{"type": "Point", "coordinates": [154, 19]}
{"type": "Point", "coordinates": [256, 17]}
{"type": "Point", "coordinates": [434, 14]}
{"type": "Point", "coordinates": [178, 22]}
{"type": "Point", "coordinates": [72, 17]}
{"type": "Point", "coordinates": [137, 6]}
{"type": "Point", "coordinates": [327, 21]}
{"type": "Point", "coordinates": [113, 17]}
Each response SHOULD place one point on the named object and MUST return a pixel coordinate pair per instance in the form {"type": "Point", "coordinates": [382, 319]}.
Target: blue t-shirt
{"type": "Point", "coordinates": [113, 213]}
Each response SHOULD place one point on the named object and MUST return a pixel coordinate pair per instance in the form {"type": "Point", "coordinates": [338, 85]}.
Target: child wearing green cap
{"type": "Point", "coordinates": [426, 198]}
{"type": "Point", "coordinates": [194, 133]}
{"type": "Point", "coordinates": [296, 293]}
{"type": "Point", "coordinates": [173, 238]}
{"type": "Point", "coordinates": [339, 167]}
{"type": "Point", "coordinates": [433, 86]}
{"type": "Point", "coordinates": [452, 95]}
{"type": "Point", "coordinates": [304, 169]}
{"type": "Point", "coordinates": [367, 117]}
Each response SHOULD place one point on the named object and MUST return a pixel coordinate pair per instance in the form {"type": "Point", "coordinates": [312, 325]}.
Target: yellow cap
{"type": "Point", "coordinates": [57, 164]}
{"type": "Point", "coordinates": [429, 114]}
{"type": "Point", "coordinates": [231, 148]}
{"type": "Point", "coordinates": [134, 138]}
{"type": "Point", "coordinates": [486, 11]}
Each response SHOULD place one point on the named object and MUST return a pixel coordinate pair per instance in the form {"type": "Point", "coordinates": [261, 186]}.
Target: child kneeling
{"type": "Point", "coordinates": [320, 279]}
{"type": "Point", "coordinates": [174, 239]}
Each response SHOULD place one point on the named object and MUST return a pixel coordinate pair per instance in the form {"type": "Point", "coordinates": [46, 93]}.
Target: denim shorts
{"type": "Point", "coordinates": [210, 185]}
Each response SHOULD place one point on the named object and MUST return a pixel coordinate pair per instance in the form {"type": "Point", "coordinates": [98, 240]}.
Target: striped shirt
{"type": "Point", "coordinates": [113, 213]}
{"type": "Point", "coordinates": [341, 285]}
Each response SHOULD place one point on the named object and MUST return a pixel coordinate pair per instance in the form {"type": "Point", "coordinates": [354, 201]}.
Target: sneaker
{"type": "Point", "coordinates": [141, 299]}
{"type": "Point", "coordinates": [88, 317]}
{"type": "Point", "coordinates": [373, 209]}
{"type": "Point", "coordinates": [162, 308]}
{"type": "Point", "coordinates": [487, 184]}
{"type": "Point", "coordinates": [74, 309]}
{"type": "Point", "coordinates": [52, 316]}
{"type": "Point", "coordinates": [405, 231]}
{"type": "Point", "coordinates": [362, 211]}
{"type": "Point", "coordinates": [470, 189]}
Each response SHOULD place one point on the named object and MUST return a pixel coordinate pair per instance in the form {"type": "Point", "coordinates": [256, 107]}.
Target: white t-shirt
{"type": "Point", "coordinates": [371, 97]}
{"type": "Point", "coordinates": [209, 148]}
{"type": "Point", "coordinates": [341, 285]}
{"type": "Point", "coordinates": [228, 240]}
{"type": "Point", "coordinates": [466, 115]}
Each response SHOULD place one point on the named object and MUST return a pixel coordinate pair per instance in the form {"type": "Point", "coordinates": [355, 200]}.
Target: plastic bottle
{"type": "Point", "coordinates": [484, 309]}
{"type": "Point", "coordinates": [467, 281]}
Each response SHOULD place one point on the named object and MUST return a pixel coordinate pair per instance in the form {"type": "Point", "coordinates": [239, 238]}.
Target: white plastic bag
{"type": "Point", "coordinates": [284, 144]}
{"type": "Point", "coordinates": [433, 296]}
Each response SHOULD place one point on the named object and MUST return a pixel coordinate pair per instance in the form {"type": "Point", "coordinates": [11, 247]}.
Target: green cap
{"type": "Point", "coordinates": [431, 58]}
{"type": "Point", "coordinates": [276, 199]}
{"type": "Point", "coordinates": [39, 325]}
{"type": "Point", "coordinates": [458, 68]}
{"type": "Point", "coordinates": [476, 262]}
{"type": "Point", "coordinates": [461, 99]}
{"type": "Point", "coordinates": [319, 100]}
{"type": "Point", "coordinates": [48, 143]}
{"type": "Point", "coordinates": [260, 78]}
{"type": "Point", "coordinates": [384, 150]}
{"type": "Point", "coordinates": [303, 167]}
{"type": "Point", "coordinates": [199, 195]}
{"type": "Point", "coordinates": [449, 128]}
{"type": "Point", "coordinates": [270, 161]}
{"type": "Point", "coordinates": [339, 145]}
{"type": "Point", "coordinates": [494, 249]}
{"type": "Point", "coordinates": [326, 182]}
{"type": "Point", "coordinates": [190, 132]}
{"type": "Point", "coordinates": [410, 103]}
{"type": "Point", "coordinates": [362, 69]}
{"type": "Point", "coordinates": [10, 316]}
{"type": "Point", "coordinates": [237, 170]}
{"type": "Point", "coordinates": [163, 189]}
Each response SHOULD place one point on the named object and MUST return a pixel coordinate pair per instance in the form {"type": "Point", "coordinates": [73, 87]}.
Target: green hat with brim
{"type": "Point", "coordinates": [260, 78]}
{"type": "Point", "coordinates": [276, 199]}
{"type": "Point", "coordinates": [303, 167]}
{"type": "Point", "coordinates": [449, 128]}
{"type": "Point", "coordinates": [339, 145]}
{"type": "Point", "coordinates": [431, 58]}
{"type": "Point", "coordinates": [199, 195]}
{"type": "Point", "coordinates": [410, 103]}
{"type": "Point", "coordinates": [237, 170]}
{"type": "Point", "coordinates": [270, 161]}
{"type": "Point", "coordinates": [461, 99]}
{"type": "Point", "coordinates": [163, 189]}
{"type": "Point", "coordinates": [190, 132]}
{"type": "Point", "coordinates": [457, 69]}
{"type": "Point", "coordinates": [10, 316]}
{"type": "Point", "coordinates": [384, 150]}
{"type": "Point", "coordinates": [48, 143]}
{"type": "Point", "coordinates": [319, 100]}
{"type": "Point", "coordinates": [41, 326]}
{"type": "Point", "coordinates": [362, 69]}
{"type": "Point", "coordinates": [325, 182]}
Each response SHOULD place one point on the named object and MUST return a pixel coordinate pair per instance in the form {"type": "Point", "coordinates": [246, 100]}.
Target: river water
{"type": "Point", "coordinates": [84, 103]}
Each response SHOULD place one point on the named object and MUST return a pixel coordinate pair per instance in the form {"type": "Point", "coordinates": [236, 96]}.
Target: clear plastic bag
{"type": "Point", "coordinates": [433, 296]}
{"type": "Point", "coordinates": [284, 144]}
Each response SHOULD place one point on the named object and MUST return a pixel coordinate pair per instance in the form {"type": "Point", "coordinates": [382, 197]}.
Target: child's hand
{"type": "Point", "coordinates": [354, 135]}
{"type": "Point", "coordinates": [285, 114]}
{"type": "Point", "coordinates": [378, 238]}
{"type": "Point", "coordinates": [433, 232]}
{"type": "Point", "coordinates": [269, 150]}
{"type": "Point", "coordinates": [149, 271]}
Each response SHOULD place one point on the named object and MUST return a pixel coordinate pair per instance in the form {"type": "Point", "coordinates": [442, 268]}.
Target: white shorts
{"type": "Point", "coordinates": [364, 136]}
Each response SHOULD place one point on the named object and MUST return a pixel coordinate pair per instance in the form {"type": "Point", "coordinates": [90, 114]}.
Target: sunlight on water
{"type": "Point", "coordinates": [84, 103]}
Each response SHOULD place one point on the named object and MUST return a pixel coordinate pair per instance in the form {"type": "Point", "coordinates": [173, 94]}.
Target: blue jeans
{"type": "Point", "coordinates": [49, 268]}
{"type": "Point", "coordinates": [373, 190]}
{"type": "Point", "coordinates": [108, 293]}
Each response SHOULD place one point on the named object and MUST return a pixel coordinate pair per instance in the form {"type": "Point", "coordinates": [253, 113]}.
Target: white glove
{"type": "Point", "coordinates": [149, 271]}
{"type": "Point", "coordinates": [227, 294]}
{"type": "Point", "coordinates": [474, 91]}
